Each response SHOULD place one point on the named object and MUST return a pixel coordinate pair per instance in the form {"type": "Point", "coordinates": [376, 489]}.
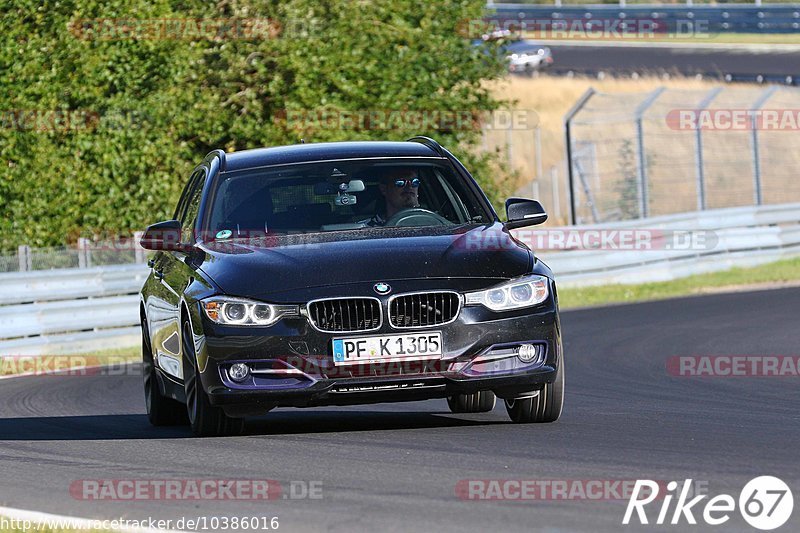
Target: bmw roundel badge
{"type": "Point", "coordinates": [382, 288]}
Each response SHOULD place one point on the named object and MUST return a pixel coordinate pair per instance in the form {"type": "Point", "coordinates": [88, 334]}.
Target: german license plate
{"type": "Point", "coordinates": [387, 348]}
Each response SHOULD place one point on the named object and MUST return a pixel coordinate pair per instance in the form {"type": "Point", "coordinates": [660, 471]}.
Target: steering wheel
{"type": "Point", "coordinates": [416, 216]}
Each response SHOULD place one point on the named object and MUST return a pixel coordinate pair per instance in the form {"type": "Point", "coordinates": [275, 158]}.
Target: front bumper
{"type": "Point", "coordinates": [376, 390]}
{"type": "Point", "coordinates": [293, 366]}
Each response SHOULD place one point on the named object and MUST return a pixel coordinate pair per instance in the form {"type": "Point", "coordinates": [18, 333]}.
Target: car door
{"type": "Point", "coordinates": [173, 275]}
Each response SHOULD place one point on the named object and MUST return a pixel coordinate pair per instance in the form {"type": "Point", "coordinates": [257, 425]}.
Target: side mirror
{"type": "Point", "coordinates": [522, 212]}
{"type": "Point", "coordinates": [164, 236]}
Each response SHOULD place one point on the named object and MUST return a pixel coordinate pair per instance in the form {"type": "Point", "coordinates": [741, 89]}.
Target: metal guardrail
{"type": "Point", "coordinates": [70, 283]}
{"type": "Point", "coordinates": [727, 18]}
{"type": "Point", "coordinates": [85, 310]}
{"type": "Point", "coordinates": [71, 315]}
{"type": "Point", "coordinates": [70, 310]}
{"type": "Point", "coordinates": [742, 237]}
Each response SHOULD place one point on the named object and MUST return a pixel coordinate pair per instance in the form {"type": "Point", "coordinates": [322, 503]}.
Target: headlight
{"type": "Point", "coordinates": [240, 312]}
{"type": "Point", "coordinates": [522, 292]}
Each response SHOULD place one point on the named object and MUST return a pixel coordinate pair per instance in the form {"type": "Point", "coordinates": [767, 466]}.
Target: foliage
{"type": "Point", "coordinates": [628, 186]}
{"type": "Point", "coordinates": [99, 130]}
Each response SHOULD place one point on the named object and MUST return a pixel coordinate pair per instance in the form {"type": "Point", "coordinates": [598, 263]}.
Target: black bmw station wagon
{"type": "Point", "coordinates": [340, 274]}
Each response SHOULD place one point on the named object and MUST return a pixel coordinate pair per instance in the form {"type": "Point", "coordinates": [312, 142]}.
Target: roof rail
{"type": "Point", "coordinates": [430, 143]}
{"type": "Point", "coordinates": [218, 153]}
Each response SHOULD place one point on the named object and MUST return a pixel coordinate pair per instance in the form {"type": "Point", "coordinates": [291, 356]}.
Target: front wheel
{"type": "Point", "coordinates": [204, 419]}
{"type": "Point", "coordinates": [477, 402]}
{"type": "Point", "coordinates": [546, 406]}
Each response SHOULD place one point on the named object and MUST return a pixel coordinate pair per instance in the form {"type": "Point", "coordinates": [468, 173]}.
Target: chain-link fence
{"type": "Point", "coordinates": [672, 151]}
{"type": "Point", "coordinates": [85, 254]}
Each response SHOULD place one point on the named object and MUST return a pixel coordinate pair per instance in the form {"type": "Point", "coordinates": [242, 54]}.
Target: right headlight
{"type": "Point", "coordinates": [515, 294]}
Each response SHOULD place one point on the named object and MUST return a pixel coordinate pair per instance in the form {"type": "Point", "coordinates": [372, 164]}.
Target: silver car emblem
{"type": "Point", "coordinates": [382, 288]}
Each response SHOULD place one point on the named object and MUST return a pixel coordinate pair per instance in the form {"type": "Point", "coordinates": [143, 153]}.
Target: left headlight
{"type": "Point", "coordinates": [515, 294]}
{"type": "Point", "coordinates": [241, 312]}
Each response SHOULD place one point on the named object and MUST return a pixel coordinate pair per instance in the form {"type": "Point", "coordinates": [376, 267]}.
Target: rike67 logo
{"type": "Point", "coordinates": [765, 503]}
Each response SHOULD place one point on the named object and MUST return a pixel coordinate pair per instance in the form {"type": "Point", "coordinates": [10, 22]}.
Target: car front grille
{"type": "Point", "coordinates": [345, 314]}
{"type": "Point", "coordinates": [423, 309]}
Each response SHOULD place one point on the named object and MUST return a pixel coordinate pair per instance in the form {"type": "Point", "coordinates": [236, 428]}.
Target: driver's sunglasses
{"type": "Point", "coordinates": [402, 183]}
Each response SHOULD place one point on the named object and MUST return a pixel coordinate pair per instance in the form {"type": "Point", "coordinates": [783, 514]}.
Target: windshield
{"type": "Point", "coordinates": [341, 195]}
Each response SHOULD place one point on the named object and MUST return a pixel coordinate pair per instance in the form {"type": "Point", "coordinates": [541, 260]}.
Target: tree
{"type": "Point", "coordinates": [105, 112]}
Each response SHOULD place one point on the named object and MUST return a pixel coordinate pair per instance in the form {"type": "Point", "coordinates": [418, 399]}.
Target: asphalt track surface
{"type": "Point", "coordinates": [679, 60]}
{"type": "Point", "coordinates": [394, 467]}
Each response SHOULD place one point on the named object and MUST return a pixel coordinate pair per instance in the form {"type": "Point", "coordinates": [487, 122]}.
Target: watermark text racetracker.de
{"type": "Point", "coordinates": [175, 29]}
{"type": "Point", "coordinates": [616, 239]}
{"type": "Point", "coordinates": [596, 28]}
{"type": "Point", "coordinates": [459, 120]}
{"type": "Point", "coordinates": [732, 366]}
{"type": "Point", "coordinates": [122, 490]}
{"type": "Point", "coordinates": [70, 120]}
{"type": "Point", "coordinates": [553, 489]}
{"type": "Point", "coordinates": [68, 365]}
{"type": "Point", "coordinates": [730, 119]}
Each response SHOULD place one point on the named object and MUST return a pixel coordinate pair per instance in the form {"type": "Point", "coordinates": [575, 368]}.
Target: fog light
{"type": "Point", "coordinates": [526, 353]}
{"type": "Point", "coordinates": [239, 372]}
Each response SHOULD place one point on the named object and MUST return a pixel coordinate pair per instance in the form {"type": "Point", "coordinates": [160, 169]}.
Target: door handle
{"type": "Point", "coordinates": [158, 274]}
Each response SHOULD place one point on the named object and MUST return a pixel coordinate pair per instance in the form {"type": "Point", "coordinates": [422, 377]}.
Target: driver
{"type": "Point", "coordinates": [400, 190]}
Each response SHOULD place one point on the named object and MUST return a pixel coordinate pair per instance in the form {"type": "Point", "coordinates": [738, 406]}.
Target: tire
{"type": "Point", "coordinates": [544, 407]}
{"type": "Point", "coordinates": [204, 419]}
{"type": "Point", "coordinates": [477, 402]}
{"type": "Point", "coordinates": [161, 411]}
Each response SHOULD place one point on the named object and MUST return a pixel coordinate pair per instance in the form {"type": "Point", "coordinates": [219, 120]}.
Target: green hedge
{"type": "Point", "coordinates": [143, 109]}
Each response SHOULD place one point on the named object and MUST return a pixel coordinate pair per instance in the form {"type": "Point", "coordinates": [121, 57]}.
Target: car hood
{"type": "Point", "coordinates": [260, 267]}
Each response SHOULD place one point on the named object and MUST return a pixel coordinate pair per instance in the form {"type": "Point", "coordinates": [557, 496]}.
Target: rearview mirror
{"type": "Point", "coordinates": [522, 212]}
{"type": "Point", "coordinates": [355, 186]}
{"type": "Point", "coordinates": [321, 189]}
{"type": "Point", "coordinates": [164, 236]}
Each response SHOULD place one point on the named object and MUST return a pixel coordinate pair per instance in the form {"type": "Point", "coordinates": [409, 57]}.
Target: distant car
{"type": "Point", "coordinates": [522, 56]}
{"type": "Point", "coordinates": [525, 57]}
{"type": "Point", "coordinates": [339, 274]}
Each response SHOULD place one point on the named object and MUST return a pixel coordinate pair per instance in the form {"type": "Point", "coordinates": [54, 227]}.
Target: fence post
{"type": "Point", "coordinates": [587, 191]}
{"type": "Point", "coordinates": [84, 253]}
{"type": "Point", "coordinates": [535, 190]}
{"type": "Point", "coordinates": [554, 190]}
{"type": "Point", "coordinates": [642, 184]}
{"type": "Point", "coordinates": [538, 139]}
{"type": "Point", "coordinates": [510, 145]}
{"type": "Point", "coordinates": [754, 141]}
{"type": "Point", "coordinates": [699, 171]}
{"type": "Point", "coordinates": [24, 256]}
{"type": "Point", "coordinates": [568, 133]}
{"type": "Point", "coordinates": [139, 253]}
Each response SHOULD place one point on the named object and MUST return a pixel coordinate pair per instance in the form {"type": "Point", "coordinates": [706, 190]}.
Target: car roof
{"type": "Point", "coordinates": [522, 46]}
{"type": "Point", "coordinates": [301, 153]}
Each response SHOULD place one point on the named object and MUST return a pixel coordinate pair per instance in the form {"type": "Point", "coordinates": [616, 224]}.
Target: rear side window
{"type": "Point", "coordinates": [189, 215]}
